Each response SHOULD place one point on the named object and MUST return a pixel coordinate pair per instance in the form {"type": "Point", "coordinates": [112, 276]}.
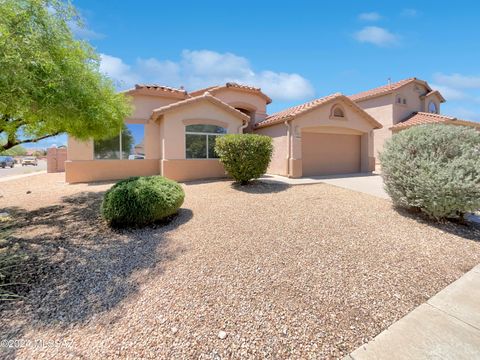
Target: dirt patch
{"type": "Point", "coordinates": [307, 271]}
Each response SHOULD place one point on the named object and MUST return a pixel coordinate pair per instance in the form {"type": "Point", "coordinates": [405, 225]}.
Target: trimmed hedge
{"type": "Point", "coordinates": [140, 201]}
{"type": "Point", "coordinates": [244, 156]}
{"type": "Point", "coordinates": [434, 169]}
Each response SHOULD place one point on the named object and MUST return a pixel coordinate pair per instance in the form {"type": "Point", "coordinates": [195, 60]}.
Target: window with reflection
{"type": "Point", "coordinates": [200, 141]}
{"type": "Point", "coordinates": [432, 107]}
{"type": "Point", "coordinates": [128, 144]}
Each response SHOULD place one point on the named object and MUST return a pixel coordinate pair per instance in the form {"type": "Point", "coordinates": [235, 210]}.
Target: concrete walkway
{"type": "Point", "coordinates": [371, 184]}
{"type": "Point", "coordinates": [446, 327]}
{"type": "Point", "coordinates": [14, 177]}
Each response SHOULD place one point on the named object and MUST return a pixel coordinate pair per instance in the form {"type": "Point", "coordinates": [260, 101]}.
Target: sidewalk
{"type": "Point", "coordinates": [446, 327]}
{"type": "Point", "coordinates": [13, 177]}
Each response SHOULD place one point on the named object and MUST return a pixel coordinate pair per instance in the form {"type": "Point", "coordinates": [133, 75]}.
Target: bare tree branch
{"type": "Point", "coordinates": [14, 142]}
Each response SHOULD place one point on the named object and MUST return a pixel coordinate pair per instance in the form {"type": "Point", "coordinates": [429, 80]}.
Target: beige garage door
{"type": "Point", "coordinates": [328, 154]}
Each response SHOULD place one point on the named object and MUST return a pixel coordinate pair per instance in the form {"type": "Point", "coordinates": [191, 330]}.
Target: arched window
{"type": "Point", "coordinates": [337, 112]}
{"type": "Point", "coordinates": [432, 107]}
{"type": "Point", "coordinates": [200, 141]}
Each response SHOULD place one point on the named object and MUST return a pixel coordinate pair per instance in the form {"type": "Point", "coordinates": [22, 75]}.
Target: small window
{"type": "Point", "coordinates": [432, 107]}
{"type": "Point", "coordinates": [404, 101]}
{"type": "Point", "coordinates": [399, 99]}
{"type": "Point", "coordinates": [200, 141]}
{"type": "Point", "coordinates": [338, 112]}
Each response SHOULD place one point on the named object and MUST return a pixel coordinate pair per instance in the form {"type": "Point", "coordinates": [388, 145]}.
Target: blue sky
{"type": "Point", "coordinates": [295, 50]}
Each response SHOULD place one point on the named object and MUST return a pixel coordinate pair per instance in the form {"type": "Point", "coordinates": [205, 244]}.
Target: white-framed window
{"type": "Point", "coordinates": [200, 141]}
{"type": "Point", "coordinates": [128, 144]}
{"type": "Point", "coordinates": [432, 107]}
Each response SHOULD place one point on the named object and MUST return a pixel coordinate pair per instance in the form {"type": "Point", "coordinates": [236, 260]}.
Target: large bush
{"type": "Point", "coordinates": [139, 201]}
{"type": "Point", "coordinates": [245, 156]}
{"type": "Point", "coordinates": [434, 169]}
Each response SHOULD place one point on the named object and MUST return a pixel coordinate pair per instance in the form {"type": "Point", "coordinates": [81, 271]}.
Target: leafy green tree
{"type": "Point", "coordinates": [18, 150]}
{"type": "Point", "coordinates": [50, 82]}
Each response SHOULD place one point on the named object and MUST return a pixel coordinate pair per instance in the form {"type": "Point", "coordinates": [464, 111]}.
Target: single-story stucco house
{"type": "Point", "coordinates": [172, 132]}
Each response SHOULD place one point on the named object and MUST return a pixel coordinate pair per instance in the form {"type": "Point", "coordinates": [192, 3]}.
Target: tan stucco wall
{"type": "Point", "coordinates": [99, 170]}
{"type": "Point", "coordinates": [412, 93]}
{"type": "Point", "coordinates": [191, 169]}
{"type": "Point", "coordinates": [278, 133]}
{"type": "Point", "coordinates": [172, 126]}
{"type": "Point", "coordinates": [79, 150]}
{"type": "Point", "coordinates": [381, 109]}
{"type": "Point", "coordinates": [143, 105]}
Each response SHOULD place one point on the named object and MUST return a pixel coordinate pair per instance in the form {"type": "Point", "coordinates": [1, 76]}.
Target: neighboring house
{"type": "Point", "coordinates": [402, 104]}
{"type": "Point", "coordinates": [176, 131]}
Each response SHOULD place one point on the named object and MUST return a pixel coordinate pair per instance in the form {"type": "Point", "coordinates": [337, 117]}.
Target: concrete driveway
{"type": "Point", "coordinates": [371, 184]}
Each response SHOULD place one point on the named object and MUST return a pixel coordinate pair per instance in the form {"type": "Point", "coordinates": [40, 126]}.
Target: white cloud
{"type": "Point", "coordinates": [377, 36]}
{"type": "Point", "coordinates": [458, 80]}
{"type": "Point", "coordinates": [201, 68]}
{"type": "Point", "coordinates": [409, 13]}
{"type": "Point", "coordinates": [450, 93]}
{"type": "Point", "coordinates": [370, 16]}
{"type": "Point", "coordinates": [119, 71]}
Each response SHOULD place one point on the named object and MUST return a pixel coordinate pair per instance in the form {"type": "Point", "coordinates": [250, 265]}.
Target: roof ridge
{"type": "Point", "coordinates": [323, 98]}
{"type": "Point", "coordinates": [383, 89]}
{"type": "Point", "coordinates": [159, 87]}
{"type": "Point", "coordinates": [232, 84]}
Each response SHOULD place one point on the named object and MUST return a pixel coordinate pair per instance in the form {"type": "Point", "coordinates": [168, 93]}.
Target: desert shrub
{"type": "Point", "coordinates": [434, 169]}
{"type": "Point", "coordinates": [244, 156]}
{"type": "Point", "coordinates": [139, 201]}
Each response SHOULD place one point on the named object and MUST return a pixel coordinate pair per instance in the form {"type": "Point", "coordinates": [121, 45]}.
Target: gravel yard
{"type": "Point", "coordinates": [268, 271]}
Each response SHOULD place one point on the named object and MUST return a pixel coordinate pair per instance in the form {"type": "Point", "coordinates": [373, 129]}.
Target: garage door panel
{"type": "Point", "coordinates": [328, 154]}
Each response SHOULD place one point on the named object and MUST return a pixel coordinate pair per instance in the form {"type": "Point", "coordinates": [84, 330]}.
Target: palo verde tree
{"type": "Point", "coordinates": [50, 82]}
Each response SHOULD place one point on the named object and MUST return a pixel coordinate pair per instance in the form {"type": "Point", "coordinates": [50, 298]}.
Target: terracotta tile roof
{"type": "Point", "coordinates": [294, 111]}
{"type": "Point", "coordinates": [442, 99]}
{"type": "Point", "coordinates": [386, 89]}
{"type": "Point", "coordinates": [205, 97]}
{"type": "Point", "coordinates": [422, 118]}
{"type": "Point", "coordinates": [202, 91]}
{"type": "Point", "coordinates": [213, 89]}
{"type": "Point", "coordinates": [160, 90]}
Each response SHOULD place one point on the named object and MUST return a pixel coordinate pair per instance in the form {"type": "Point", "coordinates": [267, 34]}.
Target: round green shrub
{"type": "Point", "coordinates": [139, 201]}
{"type": "Point", "coordinates": [244, 156]}
{"type": "Point", "coordinates": [434, 169]}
